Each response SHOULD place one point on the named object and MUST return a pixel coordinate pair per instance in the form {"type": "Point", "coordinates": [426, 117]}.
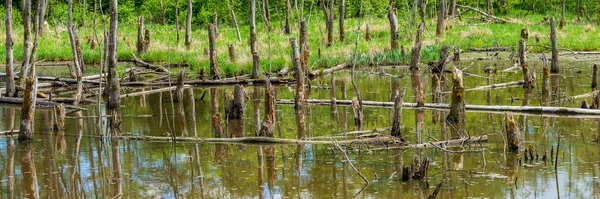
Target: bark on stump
{"type": "Point", "coordinates": [513, 134]}
{"type": "Point", "coordinates": [529, 81]}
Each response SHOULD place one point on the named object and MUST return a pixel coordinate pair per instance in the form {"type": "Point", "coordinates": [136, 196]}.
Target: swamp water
{"type": "Point", "coordinates": [78, 164]}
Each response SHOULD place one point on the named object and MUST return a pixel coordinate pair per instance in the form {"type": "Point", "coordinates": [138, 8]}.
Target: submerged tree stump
{"type": "Point", "coordinates": [457, 107]}
{"type": "Point", "coordinates": [179, 84]}
{"type": "Point", "coordinates": [513, 134]}
{"type": "Point", "coordinates": [529, 80]}
{"type": "Point", "coordinates": [417, 170]}
{"type": "Point", "coordinates": [397, 123]}
{"type": "Point", "coordinates": [358, 115]}
{"type": "Point", "coordinates": [268, 123]}
{"type": "Point", "coordinates": [234, 105]}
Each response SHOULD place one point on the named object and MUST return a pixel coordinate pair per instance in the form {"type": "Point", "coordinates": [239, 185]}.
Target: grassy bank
{"type": "Point", "coordinates": [467, 32]}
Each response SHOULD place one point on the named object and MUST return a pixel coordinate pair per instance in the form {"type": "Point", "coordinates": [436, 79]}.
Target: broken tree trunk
{"type": "Point", "coordinates": [288, 7]}
{"type": "Point", "coordinates": [441, 63]}
{"type": "Point", "coordinates": [545, 81]}
{"type": "Point", "coordinates": [397, 124]}
{"type": "Point", "coordinates": [180, 86]}
{"type": "Point", "coordinates": [268, 123]}
{"type": "Point", "coordinates": [214, 68]}
{"type": "Point", "coordinates": [415, 58]}
{"type": "Point", "coordinates": [367, 33]}
{"type": "Point", "coordinates": [394, 34]}
{"type": "Point", "coordinates": [27, 112]}
{"type": "Point", "coordinates": [253, 45]}
{"type": "Point", "coordinates": [299, 106]}
{"type": "Point", "coordinates": [441, 23]}
{"type": "Point", "coordinates": [59, 117]}
{"type": "Point", "coordinates": [554, 68]}
{"type": "Point", "coordinates": [188, 26]}
{"type": "Point", "coordinates": [114, 96]}
{"type": "Point", "coordinates": [140, 36]}
{"type": "Point", "coordinates": [235, 108]}
{"type": "Point", "coordinates": [529, 81]}
{"type": "Point", "coordinates": [232, 53]}
{"type": "Point", "coordinates": [457, 108]}
{"type": "Point", "coordinates": [512, 133]}
{"type": "Point", "coordinates": [304, 47]}
{"type": "Point", "coordinates": [76, 52]}
{"type": "Point", "coordinates": [341, 13]}
{"type": "Point", "coordinates": [10, 80]}
{"type": "Point", "coordinates": [177, 20]}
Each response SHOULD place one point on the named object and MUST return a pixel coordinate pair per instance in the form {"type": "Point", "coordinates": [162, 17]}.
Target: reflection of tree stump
{"type": "Point", "coordinates": [268, 123]}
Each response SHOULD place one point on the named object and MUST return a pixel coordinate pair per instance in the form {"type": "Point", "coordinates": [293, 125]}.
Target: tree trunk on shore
{"type": "Point", "coordinates": [234, 22]}
{"type": "Point", "coordinates": [188, 26]}
{"type": "Point", "coordinates": [214, 68]}
{"type": "Point", "coordinates": [415, 58]}
{"type": "Point", "coordinates": [554, 67]}
{"type": "Point", "coordinates": [253, 45]}
{"type": "Point", "coordinates": [140, 36]}
{"type": "Point", "coordinates": [304, 46]}
{"type": "Point", "coordinates": [162, 13]}
{"type": "Point", "coordinates": [114, 96]}
{"type": "Point", "coordinates": [328, 7]}
{"type": "Point", "coordinates": [394, 34]}
{"type": "Point", "coordinates": [288, 7]}
{"type": "Point", "coordinates": [177, 20]}
{"type": "Point", "coordinates": [10, 80]}
{"type": "Point", "coordinates": [342, 13]}
{"type": "Point", "coordinates": [503, 6]}
{"type": "Point", "coordinates": [441, 23]}
{"type": "Point", "coordinates": [216, 24]}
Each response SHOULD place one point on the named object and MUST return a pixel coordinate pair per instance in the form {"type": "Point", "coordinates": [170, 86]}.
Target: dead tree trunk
{"type": "Point", "coordinates": [162, 13]}
{"type": "Point", "coordinates": [299, 106]}
{"type": "Point", "coordinates": [188, 26]}
{"type": "Point", "coordinates": [595, 77]}
{"type": "Point", "coordinates": [457, 108]}
{"type": "Point", "coordinates": [114, 96]}
{"type": "Point", "coordinates": [235, 108]}
{"type": "Point", "coordinates": [453, 8]}
{"type": "Point", "coordinates": [304, 47]}
{"type": "Point", "coordinates": [140, 36]}
{"type": "Point", "coordinates": [367, 33]}
{"type": "Point", "coordinates": [179, 88]}
{"type": "Point", "coordinates": [562, 16]}
{"type": "Point", "coordinates": [441, 63]}
{"type": "Point", "coordinates": [502, 5]}
{"type": "Point", "coordinates": [59, 117]}
{"type": "Point", "coordinates": [75, 51]}
{"type": "Point", "coordinates": [26, 129]}
{"type": "Point", "coordinates": [397, 124]}
{"type": "Point", "coordinates": [234, 22]}
{"type": "Point", "coordinates": [146, 40]}
{"type": "Point", "coordinates": [288, 7]}
{"type": "Point", "coordinates": [214, 68]}
{"type": "Point", "coordinates": [232, 53]}
{"type": "Point", "coordinates": [415, 58]}
{"type": "Point", "coordinates": [529, 81]}
{"type": "Point", "coordinates": [394, 34]}
{"type": "Point", "coordinates": [177, 19]}
{"type": "Point", "coordinates": [489, 8]}
{"type": "Point", "coordinates": [268, 123]}
{"type": "Point", "coordinates": [513, 134]}
{"type": "Point", "coordinates": [327, 7]}
{"type": "Point", "coordinates": [26, 11]}
{"type": "Point", "coordinates": [216, 23]}
{"type": "Point", "coordinates": [266, 14]}
{"type": "Point", "coordinates": [554, 68]}
{"type": "Point", "coordinates": [10, 79]}
{"type": "Point", "coordinates": [441, 23]}
{"type": "Point", "coordinates": [253, 45]}
{"type": "Point", "coordinates": [341, 13]}
{"type": "Point", "coordinates": [42, 17]}
{"type": "Point", "coordinates": [545, 81]}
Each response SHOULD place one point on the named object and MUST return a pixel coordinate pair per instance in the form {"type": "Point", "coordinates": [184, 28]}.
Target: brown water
{"type": "Point", "coordinates": [78, 164]}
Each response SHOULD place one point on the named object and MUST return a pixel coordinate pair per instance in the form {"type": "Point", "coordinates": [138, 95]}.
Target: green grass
{"type": "Point", "coordinates": [468, 33]}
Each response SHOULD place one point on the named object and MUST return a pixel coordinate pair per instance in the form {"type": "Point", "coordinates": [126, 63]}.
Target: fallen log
{"type": "Point", "coordinates": [316, 73]}
{"type": "Point", "coordinates": [283, 72]}
{"type": "Point", "coordinates": [140, 63]}
{"type": "Point", "coordinates": [160, 90]}
{"type": "Point", "coordinates": [494, 86]}
{"type": "Point", "coordinates": [441, 144]}
{"type": "Point", "coordinates": [585, 95]}
{"type": "Point", "coordinates": [533, 110]}
{"type": "Point", "coordinates": [213, 82]}
{"type": "Point", "coordinates": [257, 140]}
{"type": "Point", "coordinates": [484, 14]}
{"type": "Point", "coordinates": [39, 103]}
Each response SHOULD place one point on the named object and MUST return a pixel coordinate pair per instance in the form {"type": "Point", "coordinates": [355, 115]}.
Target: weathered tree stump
{"type": "Point", "coordinates": [341, 16]}
{"type": "Point", "coordinates": [529, 80]}
{"type": "Point", "coordinates": [140, 36]}
{"type": "Point", "coordinates": [304, 46]}
{"type": "Point", "coordinates": [147, 40]}
{"type": "Point", "coordinates": [59, 117]}
{"type": "Point", "coordinates": [232, 56]}
{"type": "Point", "coordinates": [253, 45]}
{"type": "Point", "coordinates": [217, 126]}
{"type": "Point", "coordinates": [268, 123]}
{"type": "Point", "coordinates": [394, 34]}
{"type": "Point", "coordinates": [513, 134]}
{"type": "Point", "coordinates": [367, 33]}
{"type": "Point", "coordinates": [234, 104]}
{"type": "Point", "coordinates": [595, 77]}
{"type": "Point", "coordinates": [179, 84]}
{"type": "Point", "coordinates": [457, 107]}
{"type": "Point", "coordinates": [397, 123]}
{"type": "Point", "coordinates": [441, 63]}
